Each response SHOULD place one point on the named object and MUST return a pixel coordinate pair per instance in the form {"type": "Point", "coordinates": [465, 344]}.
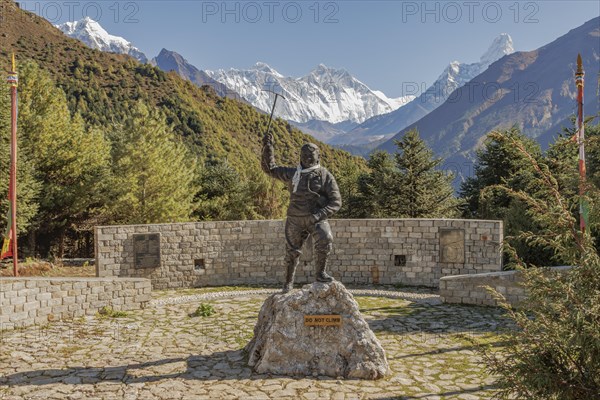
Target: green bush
{"type": "Point", "coordinates": [555, 351]}
{"type": "Point", "coordinates": [204, 310]}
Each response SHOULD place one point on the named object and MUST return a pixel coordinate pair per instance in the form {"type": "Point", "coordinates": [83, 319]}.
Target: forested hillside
{"type": "Point", "coordinates": [109, 140]}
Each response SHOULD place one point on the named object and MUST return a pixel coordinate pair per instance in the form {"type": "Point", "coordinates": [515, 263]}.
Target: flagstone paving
{"type": "Point", "coordinates": [163, 353]}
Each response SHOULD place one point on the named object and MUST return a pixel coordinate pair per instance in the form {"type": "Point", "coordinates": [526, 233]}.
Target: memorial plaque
{"type": "Point", "coordinates": [322, 320]}
{"type": "Point", "coordinates": [452, 246]}
{"type": "Point", "coordinates": [146, 250]}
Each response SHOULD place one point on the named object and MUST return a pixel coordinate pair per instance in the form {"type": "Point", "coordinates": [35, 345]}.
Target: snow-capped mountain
{"type": "Point", "coordinates": [457, 128]}
{"type": "Point", "coordinates": [93, 35]}
{"type": "Point", "coordinates": [455, 75]}
{"type": "Point", "coordinates": [168, 60]}
{"type": "Point", "coordinates": [325, 94]}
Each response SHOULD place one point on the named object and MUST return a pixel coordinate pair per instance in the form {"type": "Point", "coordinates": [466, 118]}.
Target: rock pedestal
{"type": "Point", "coordinates": [282, 344]}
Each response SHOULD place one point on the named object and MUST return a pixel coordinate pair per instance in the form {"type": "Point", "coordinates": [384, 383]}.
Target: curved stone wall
{"type": "Point", "coordinates": [27, 301]}
{"type": "Point", "coordinates": [386, 251]}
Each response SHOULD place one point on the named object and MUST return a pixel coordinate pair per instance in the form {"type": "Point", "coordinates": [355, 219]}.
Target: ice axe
{"type": "Point", "coordinates": [268, 129]}
{"type": "Point", "coordinates": [272, 109]}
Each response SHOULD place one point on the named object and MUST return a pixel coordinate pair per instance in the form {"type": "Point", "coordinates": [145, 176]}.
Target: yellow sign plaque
{"type": "Point", "coordinates": [322, 320]}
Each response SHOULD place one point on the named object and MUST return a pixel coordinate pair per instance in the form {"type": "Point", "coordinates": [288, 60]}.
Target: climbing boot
{"type": "Point", "coordinates": [322, 276]}
{"type": "Point", "coordinates": [289, 278]}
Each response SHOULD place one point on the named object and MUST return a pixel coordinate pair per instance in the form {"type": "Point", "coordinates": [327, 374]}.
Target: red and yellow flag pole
{"type": "Point", "coordinates": [13, 81]}
{"type": "Point", "coordinates": [581, 141]}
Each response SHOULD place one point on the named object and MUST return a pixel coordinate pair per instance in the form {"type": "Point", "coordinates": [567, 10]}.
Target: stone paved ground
{"type": "Point", "coordinates": [162, 353]}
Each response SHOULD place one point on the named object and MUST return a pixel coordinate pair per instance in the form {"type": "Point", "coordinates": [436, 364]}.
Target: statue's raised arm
{"type": "Point", "coordinates": [268, 162]}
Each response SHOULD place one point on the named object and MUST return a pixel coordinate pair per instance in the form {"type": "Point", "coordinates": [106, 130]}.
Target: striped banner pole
{"type": "Point", "coordinates": [583, 206]}
{"type": "Point", "coordinates": [13, 81]}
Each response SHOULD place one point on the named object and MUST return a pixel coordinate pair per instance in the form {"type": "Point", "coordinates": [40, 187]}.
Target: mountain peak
{"type": "Point", "coordinates": [455, 75]}
{"type": "Point", "coordinates": [456, 129]}
{"type": "Point", "coordinates": [260, 64]}
{"type": "Point", "coordinates": [325, 94]}
{"type": "Point", "coordinates": [88, 20]}
{"type": "Point", "coordinates": [165, 53]}
{"type": "Point", "coordinates": [93, 35]}
{"type": "Point", "coordinates": [322, 68]}
{"type": "Point", "coordinates": [264, 67]}
{"type": "Point", "coordinates": [85, 24]}
{"type": "Point", "coordinates": [500, 47]}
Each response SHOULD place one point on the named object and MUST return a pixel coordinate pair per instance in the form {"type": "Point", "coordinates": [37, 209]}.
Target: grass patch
{"type": "Point", "coordinates": [381, 306]}
{"type": "Point", "coordinates": [36, 267]}
{"type": "Point", "coordinates": [67, 351]}
{"type": "Point", "coordinates": [109, 312]}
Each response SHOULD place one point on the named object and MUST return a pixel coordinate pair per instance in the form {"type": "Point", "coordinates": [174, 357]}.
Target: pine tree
{"type": "Point", "coordinates": [496, 163]}
{"type": "Point", "coordinates": [28, 187]}
{"type": "Point", "coordinates": [269, 197]}
{"type": "Point", "coordinates": [499, 163]}
{"type": "Point", "coordinates": [224, 194]}
{"type": "Point", "coordinates": [420, 189]}
{"type": "Point", "coordinates": [347, 179]}
{"type": "Point", "coordinates": [407, 185]}
{"type": "Point", "coordinates": [70, 162]}
{"type": "Point", "coordinates": [153, 171]}
{"type": "Point", "coordinates": [372, 199]}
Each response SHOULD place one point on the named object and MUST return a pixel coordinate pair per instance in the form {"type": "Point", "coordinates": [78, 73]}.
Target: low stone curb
{"type": "Point", "coordinates": [426, 298]}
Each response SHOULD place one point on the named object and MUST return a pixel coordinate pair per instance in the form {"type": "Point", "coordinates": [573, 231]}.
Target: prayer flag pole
{"type": "Point", "coordinates": [581, 142]}
{"type": "Point", "coordinates": [13, 81]}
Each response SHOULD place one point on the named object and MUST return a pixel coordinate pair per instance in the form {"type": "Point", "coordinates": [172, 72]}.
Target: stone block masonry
{"type": "Point", "coordinates": [366, 251]}
{"type": "Point", "coordinates": [471, 289]}
{"type": "Point", "coordinates": [36, 300]}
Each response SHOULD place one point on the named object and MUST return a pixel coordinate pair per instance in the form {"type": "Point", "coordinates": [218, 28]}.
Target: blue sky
{"type": "Point", "coordinates": [389, 45]}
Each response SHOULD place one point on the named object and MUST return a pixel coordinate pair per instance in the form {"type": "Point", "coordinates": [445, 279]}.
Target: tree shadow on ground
{"type": "Point", "coordinates": [454, 349]}
{"type": "Point", "coordinates": [443, 394]}
{"type": "Point", "coordinates": [435, 319]}
{"type": "Point", "coordinates": [408, 319]}
{"type": "Point", "coordinates": [224, 365]}
{"type": "Point", "coordinates": [197, 367]}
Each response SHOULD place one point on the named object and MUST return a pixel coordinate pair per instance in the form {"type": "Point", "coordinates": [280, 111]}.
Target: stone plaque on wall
{"type": "Point", "coordinates": [452, 246]}
{"type": "Point", "coordinates": [146, 250]}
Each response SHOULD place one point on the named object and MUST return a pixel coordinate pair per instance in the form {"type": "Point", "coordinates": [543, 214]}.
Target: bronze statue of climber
{"type": "Point", "coordinates": [314, 197]}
